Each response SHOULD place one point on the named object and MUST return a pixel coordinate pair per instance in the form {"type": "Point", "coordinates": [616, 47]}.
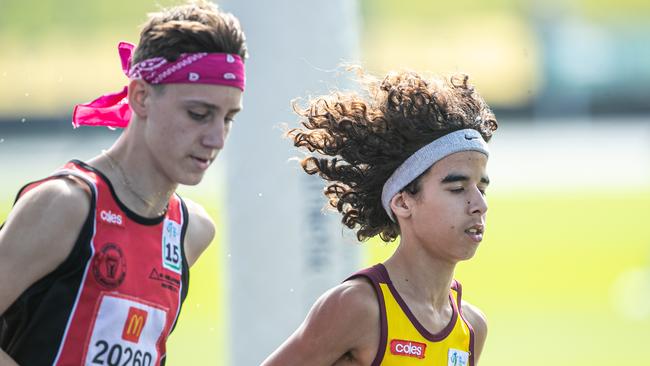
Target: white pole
{"type": "Point", "coordinates": [283, 251]}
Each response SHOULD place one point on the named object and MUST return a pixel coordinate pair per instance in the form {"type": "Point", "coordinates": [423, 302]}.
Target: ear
{"type": "Point", "coordinates": [400, 204]}
{"type": "Point", "coordinates": [139, 93]}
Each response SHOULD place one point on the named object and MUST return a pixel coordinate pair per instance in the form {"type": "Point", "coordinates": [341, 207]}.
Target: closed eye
{"type": "Point", "coordinates": [197, 116]}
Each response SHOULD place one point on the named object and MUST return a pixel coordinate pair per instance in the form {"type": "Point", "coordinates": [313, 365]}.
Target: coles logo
{"type": "Point", "coordinates": [111, 218]}
{"type": "Point", "coordinates": [407, 348]}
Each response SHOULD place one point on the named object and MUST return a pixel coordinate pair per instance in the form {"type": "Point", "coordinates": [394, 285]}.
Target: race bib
{"type": "Point", "coordinates": [171, 246]}
{"type": "Point", "coordinates": [125, 333]}
{"type": "Point", "coordinates": [457, 358]}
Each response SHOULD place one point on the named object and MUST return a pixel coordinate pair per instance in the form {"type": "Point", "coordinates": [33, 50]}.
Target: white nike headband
{"type": "Point", "coordinates": [421, 160]}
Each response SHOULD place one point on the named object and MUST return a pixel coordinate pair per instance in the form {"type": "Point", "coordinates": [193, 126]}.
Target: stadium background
{"type": "Point", "coordinates": [564, 272]}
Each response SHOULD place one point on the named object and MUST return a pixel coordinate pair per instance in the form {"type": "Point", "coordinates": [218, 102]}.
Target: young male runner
{"type": "Point", "coordinates": [407, 159]}
{"type": "Point", "coordinates": [94, 260]}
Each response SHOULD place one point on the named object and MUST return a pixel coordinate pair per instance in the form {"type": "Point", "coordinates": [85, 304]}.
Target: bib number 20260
{"type": "Point", "coordinates": [119, 355]}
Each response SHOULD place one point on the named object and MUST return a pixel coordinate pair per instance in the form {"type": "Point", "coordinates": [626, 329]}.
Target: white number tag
{"type": "Point", "coordinates": [171, 246]}
{"type": "Point", "coordinates": [125, 333]}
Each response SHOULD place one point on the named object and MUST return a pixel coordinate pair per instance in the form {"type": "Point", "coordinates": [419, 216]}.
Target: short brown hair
{"type": "Point", "coordinates": [362, 138]}
{"type": "Point", "coordinates": [195, 27]}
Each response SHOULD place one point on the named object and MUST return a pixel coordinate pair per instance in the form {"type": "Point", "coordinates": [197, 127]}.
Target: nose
{"type": "Point", "coordinates": [215, 135]}
{"type": "Point", "coordinates": [477, 203]}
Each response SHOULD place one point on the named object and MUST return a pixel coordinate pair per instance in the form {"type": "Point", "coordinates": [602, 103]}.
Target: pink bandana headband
{"type": "Point", "coordinates": [112, 110]}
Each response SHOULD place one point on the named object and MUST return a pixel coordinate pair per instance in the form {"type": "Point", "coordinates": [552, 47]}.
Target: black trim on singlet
{"type": "Point", "coordinates": [375, 276]}
{"type": "Point", "coordinates": [32, 334]}
{"type": "Point", "coordinates": [185, 274]}
{"type": "Point", "coordinates": [186, 266]}
{"type": "Point", "coordinates": [131, 214]}
{"type": "Point", "coordinates": [459, 291]}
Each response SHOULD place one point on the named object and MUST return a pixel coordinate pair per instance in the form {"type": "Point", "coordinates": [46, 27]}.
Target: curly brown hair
{"type": "Point", "coordinates": [198, 26]}
{"type": "Point", "coordinates": [361, 138]}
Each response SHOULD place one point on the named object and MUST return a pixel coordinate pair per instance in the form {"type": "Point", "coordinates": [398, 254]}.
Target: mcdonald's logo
{"type": "Point", "coordinates": [134, 324]}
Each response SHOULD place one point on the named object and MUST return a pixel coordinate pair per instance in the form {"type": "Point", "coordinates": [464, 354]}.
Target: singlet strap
{"type": "Point", "coordinates": [185, 273]}
{"type": "Point", "coordinates": [377, 275]}
{"type": "Point", "coordinates": [459, 295]}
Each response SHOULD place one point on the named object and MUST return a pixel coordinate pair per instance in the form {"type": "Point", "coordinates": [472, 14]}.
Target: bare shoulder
{"type": "Point", "coordinates": [354, 300]}
{"type": "Point", "coordinates": [39, 233]}
{"type": "Point", "coordinates": [200, 231]}
{"type": "Point", "coordinates": [55, 206]}
{"type": "Point", "coordinates": [475, 317]}
{"type": "Point", "coordinates": [343, 321]}
{"type": "Point", "coordinates": [478, 321]}
{"type": "Point", "coordinates": [353, 307]}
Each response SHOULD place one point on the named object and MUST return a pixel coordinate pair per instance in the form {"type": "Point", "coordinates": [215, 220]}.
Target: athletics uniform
{"type": "Point", "coordinates": [404, 341]}
{"type": "Point", "coordinates": [116, 298]}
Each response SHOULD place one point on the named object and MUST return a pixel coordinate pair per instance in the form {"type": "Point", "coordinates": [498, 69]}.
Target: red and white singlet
{"type": "Point", "coordinates": [116, 298]}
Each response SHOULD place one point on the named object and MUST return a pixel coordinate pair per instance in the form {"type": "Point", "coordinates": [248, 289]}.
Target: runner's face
{"type": "Point", "coordinates": [448, 214]}
{"type": "Point", "coordinates": [187, 126]}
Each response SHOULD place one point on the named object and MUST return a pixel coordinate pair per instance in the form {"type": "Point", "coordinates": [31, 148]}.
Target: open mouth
{"type": "Point", "coordinates": [476, 233]}
{"type": "Point", "coordinates": [475, 230]}
{"type": "Point", "coordinates": [202, 162]}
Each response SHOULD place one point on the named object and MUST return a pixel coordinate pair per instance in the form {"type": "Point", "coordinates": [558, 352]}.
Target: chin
{"type": "Point", "coordinates": [190, 179]}
{"type": "Point", "coordinates": [467, 255]}
{"type": "Point", "coordinates": [191, 182]}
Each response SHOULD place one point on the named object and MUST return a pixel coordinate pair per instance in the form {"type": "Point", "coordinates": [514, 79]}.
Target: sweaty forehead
{"type": "Point", "coordinates": [462, 162]}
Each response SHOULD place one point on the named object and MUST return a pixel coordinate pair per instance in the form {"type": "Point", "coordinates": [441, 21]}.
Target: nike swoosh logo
{"type": "Point", "coordinates": [470, 137]}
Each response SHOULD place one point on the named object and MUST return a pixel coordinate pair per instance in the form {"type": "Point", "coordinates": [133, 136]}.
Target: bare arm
{"type": "Point", "coordinates": [343, 323]}
{"type": "Point", "coordinates": [478, 321]}
{"type": "Point", "coordinates": [200, 232]}
{"type": "Point", "coordinates": [38, 235]}
{"type": "Point", "coordinates": [5, 360]}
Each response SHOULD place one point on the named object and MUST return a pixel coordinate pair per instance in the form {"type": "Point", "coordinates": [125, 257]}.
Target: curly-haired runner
{"type": "Point", "coordinates": [94, 260]}
{"type": "Point", "coordinates": [406, 159]}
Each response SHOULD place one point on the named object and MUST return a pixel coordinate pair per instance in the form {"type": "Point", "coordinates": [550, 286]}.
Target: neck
{"type": "Point", "coordinates": [138, 184]}
{"type": "Point", "coordinates": [421, 276]}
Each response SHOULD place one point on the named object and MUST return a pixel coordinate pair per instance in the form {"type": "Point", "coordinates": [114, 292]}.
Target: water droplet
{"type": "Point", "coordinates": [2, 140]}
{"type": "Point", "coordinates": [259, 194]}
{"type": "Point", "coordinates": [291, 290]}
{"type": "Point", "coordinates": [23, 120]}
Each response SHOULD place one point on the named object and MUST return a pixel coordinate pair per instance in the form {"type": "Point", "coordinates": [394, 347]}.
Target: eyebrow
{"type": "Point", "coordinates": [452, 178]}
{"type": "Point", "coordinates": [208, 105]}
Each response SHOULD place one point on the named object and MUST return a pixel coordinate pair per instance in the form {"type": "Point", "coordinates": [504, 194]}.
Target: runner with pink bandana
{"type": "Point", "coordinates": [95, 258]}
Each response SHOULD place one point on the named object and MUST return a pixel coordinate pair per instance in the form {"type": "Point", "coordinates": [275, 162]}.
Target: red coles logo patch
{"type": "Point", "coordinates": [111, 218]}
{"type": "Point", "coordinates": [134, 324]}
{"type": "Point", "coordinates": [407, 348]}
{"type": "Point", "coordinates": [109, 266]}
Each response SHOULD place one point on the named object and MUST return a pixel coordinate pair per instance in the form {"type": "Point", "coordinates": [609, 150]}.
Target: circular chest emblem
{"type": "Point", "coordinates": [109, 266]}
